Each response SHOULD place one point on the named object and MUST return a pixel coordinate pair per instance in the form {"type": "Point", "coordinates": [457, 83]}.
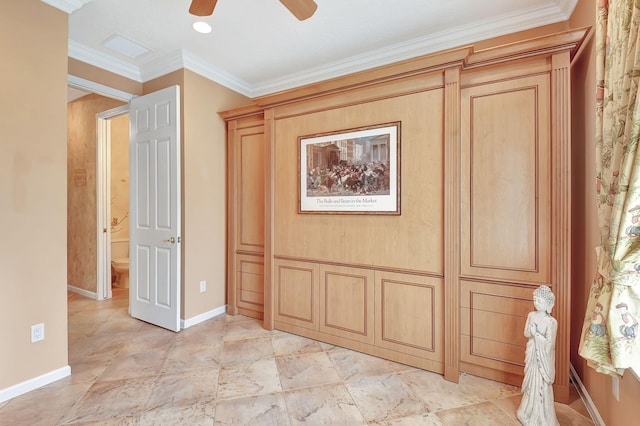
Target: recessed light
{"type": "Point", "coordinates": [202, 27]}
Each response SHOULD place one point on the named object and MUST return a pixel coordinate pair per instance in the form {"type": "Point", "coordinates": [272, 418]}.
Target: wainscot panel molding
{"type": "Point", "coordinates": [484, 178]}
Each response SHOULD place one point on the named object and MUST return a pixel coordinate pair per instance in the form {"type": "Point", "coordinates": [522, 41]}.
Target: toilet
{"type": "Point", "coordinates": [120, 262]}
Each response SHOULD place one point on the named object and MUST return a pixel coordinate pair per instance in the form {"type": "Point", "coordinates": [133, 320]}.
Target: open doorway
{"type": "Point", "coordinates": [153, 241]}
{"type": "Point", "coordinates": [91, 113]}
{"type": "Point", "coordinates": [112, 200]}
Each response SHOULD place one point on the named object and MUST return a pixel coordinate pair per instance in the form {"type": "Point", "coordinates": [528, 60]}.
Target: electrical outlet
{"type": "Point", "coordinates": [615, 388]}
{"type": "Point", "coordinates": [37, 333]}
{"type": "Point", "coordinates": [203, 286]}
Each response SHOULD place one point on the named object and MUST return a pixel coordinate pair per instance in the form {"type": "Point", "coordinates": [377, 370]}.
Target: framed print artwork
{"type": "Point", "coordinates": [354, 171]}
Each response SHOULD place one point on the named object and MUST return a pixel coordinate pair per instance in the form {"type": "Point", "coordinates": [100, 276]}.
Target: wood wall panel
{"type": "Point", "coordinates": [248, 298]}
{"type": "Point", "coordinates": [297, 293]}
{"type": "Point", "coordinates": [485, 208]}
{"type": "Point", "coordinates": [498, 351]}
{"type": "Point", "coordinates": [250, 283]}
{"type": "Point", "coordinates": [416, 241]}
{"type": "Point", "coordinates": [506, 204]}
{"type": "Point", "coordinates": [493, 356]}
{"type": "Point", "coordinates": [493, 316]}
{"type": "Point", "coordinates": [391, 89]}
{"type": "Point", "coordinates": [504, 72]}
{"type": "Point", "coordinates": [487, 325]}
{"type": "Point", "coordinates": [409, 314]}
{"type": "Point", "coordinates": [251, 189]}
{"type": "Point", "coordinates": [245, 216]}
{"type": "Point", "coordinates": [346, 302]}
{"type": "Point", "coordinates": [495, 183]}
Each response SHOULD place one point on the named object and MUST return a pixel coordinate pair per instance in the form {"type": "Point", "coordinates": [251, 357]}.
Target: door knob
{"type": "Point", "coordinates": [171, 240]}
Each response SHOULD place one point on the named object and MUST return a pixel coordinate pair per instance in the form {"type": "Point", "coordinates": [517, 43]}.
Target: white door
{"type": "Point", "coordinates": [154, 165]}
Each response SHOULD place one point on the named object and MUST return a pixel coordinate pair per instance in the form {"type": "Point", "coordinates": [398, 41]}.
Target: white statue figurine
{"type": "Point", "coordinates": [536, 408]}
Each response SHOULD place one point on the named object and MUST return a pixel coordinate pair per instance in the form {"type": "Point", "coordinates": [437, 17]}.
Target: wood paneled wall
{"type": "Point", "coordinates": [396, 242]}
{"type": "Point", "coordinates": [245, 216]}
{"type": "Point", "coordinates": [447, 284]}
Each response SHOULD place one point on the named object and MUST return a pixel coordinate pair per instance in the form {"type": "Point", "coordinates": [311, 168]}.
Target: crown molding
{"type": "Point", "coordinates": [185, 59]}
{"type": "Point", "coordinates": [161, 66]}
{"type": "Point", "coordinates": [103, 60]}
{"type": "Point", "coordinates": [552, 12]}
{"type": "Point", "coordinates": [68, 6]}
{"type": "Point", "coordinates": [195, 64]}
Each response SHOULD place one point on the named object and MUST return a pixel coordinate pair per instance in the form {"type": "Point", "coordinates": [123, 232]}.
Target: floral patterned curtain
{"type": "Point", "coordinates": [610, 341]}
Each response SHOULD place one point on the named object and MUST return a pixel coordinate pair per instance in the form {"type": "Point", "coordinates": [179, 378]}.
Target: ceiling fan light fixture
{"type": "Point", "coordinates": [202, 27]}
{"type": "Point", "coordinates": [202, 7]}
{"type": "Point", "coordinates": [301, 9]}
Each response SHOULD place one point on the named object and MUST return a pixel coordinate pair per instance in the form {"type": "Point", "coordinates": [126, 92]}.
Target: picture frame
{"type": "Point", "coordinates": [354, 171]}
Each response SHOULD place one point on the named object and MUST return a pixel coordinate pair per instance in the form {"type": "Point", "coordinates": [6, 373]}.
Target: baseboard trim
{"type": "Point", "coordinates": [586, 398]}
{"type": "Point", "coordinates": [35, 383]}
{"type": "Point", "coordinates": [186, 323]}
{"type": "Point", "coordinates": [83, 292]}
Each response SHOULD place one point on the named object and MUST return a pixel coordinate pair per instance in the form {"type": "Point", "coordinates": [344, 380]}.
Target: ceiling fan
{"type": "Point", "coordinates": [301, 9]}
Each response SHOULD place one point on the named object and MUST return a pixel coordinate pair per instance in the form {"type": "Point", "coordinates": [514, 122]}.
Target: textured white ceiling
{"type": "Point", "coordinates": [257, 47]}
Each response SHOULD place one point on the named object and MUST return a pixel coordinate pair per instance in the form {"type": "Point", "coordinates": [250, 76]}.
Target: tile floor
{"type": "Point", "coordinates": [230, 371]}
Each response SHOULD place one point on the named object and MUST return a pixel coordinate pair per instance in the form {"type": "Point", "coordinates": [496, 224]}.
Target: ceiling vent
{"type": "Point", "coordinates": [125, 46]}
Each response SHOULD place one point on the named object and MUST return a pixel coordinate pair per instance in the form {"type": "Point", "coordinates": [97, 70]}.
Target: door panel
{"type": "Point", "coordinates": [246, 216]}
{"type": "Point", "coordinates": [251, 190]}
{"type": "Point", "coordinates": [250, 282]}
{"type": "Point", "coordinates": [297, 293]}
{"type": "Point", "coordinates": [155, 208]}
{"type": "Point", "coordinates": [163, 185]}
{"type": "Point", "coordinates": [346, 302]}
{"type": "Point", "coordinates": [505, 197]}
{"type": "Point", "coordinates": [409, 315]}
{"type": "Point", "coordinates": [492, 318]}
{"type": "Point", "coordinates": [141, 260]}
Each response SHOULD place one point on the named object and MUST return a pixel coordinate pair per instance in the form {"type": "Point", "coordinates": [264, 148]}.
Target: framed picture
{"type": "Point", "coordinates": [353, 171]}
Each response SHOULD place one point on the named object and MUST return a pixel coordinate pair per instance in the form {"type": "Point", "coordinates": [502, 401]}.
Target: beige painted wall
{"type": "Point", "coordinates": [81, 189]}
{"type": "Point", "coordinates": [33, 188]}
{"type": "Point", "coordinates": [33, 176]}
{"type": "Point", "coordinates": [203, 187]}
{"type": "Point", "coordinates": [204, 174]}
{"type": "Point", "coordinates": [585, 229]}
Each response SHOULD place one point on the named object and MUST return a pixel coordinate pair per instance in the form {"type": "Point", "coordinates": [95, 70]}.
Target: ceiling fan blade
{"type": "Point", "coordinates": [301, 9]}
{"type": "Point", "coordinates": [202, 7]}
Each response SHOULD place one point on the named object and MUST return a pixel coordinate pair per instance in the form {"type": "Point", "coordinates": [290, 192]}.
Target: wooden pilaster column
{"type": "Point", "coordinates": [452, 224]}
{"type": "Point", "coordinates": [561, 215]}
{"type": "Point", "coordinates": [232, 308]}
{"type": "Point", "coordinates": [269, 209]}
